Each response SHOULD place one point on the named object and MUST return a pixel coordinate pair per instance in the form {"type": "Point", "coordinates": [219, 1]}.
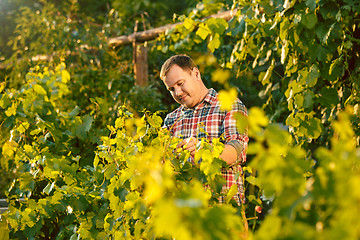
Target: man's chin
{"type": "Point", "coordinates": [187, 105]}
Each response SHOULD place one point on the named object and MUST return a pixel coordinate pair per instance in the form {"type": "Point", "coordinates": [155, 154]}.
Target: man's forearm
{"type": "Point", "coordinates": [229, 154]}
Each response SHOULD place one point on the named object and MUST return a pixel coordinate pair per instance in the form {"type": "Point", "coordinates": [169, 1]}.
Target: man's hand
{"type": "Point", "coordinates": [188, 144]}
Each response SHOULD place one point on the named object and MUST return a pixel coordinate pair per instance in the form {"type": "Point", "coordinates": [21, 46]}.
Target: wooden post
{"type": "Point", "coordinates": [140, 60]}
{"type": "Point", "coordinates": [140, 63]}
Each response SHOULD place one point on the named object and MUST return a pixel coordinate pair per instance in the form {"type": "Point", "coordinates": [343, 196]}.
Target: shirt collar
{"type": "Point", "coordinates": [210, 97]}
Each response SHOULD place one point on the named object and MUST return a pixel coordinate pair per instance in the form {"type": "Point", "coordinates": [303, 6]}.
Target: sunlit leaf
{"type": "Point", "coordinates": [284, 51]}
{"type": "Point", "coordinates": [227, 98]}
{"type": "Point", "coordinates": [214, 42]}
{"type": "Point", "coordinates": [284, 28]}
{"type": "Point", "coordinates": [96, 161]}
{"type": "Point", "coordinates": [49, 187]}
{"type": "Point", "coordinates": [39, 89]}
{"type": "Point", "coordinates": [220, 75]}
{"type": "Point", "coordinates": [253, 180]}
{"type": "Point", "coordinates": [299, 101]}
{"type": "Point", "coordinates": [189, 23]}
{"type": "Point", "coordinates": [292, 121]}
{"type": "Point", "coordinates": [334, 64]}
{"type": "Point", "coordinates": [4, 229]}
{"type": "Point", "coordinates": [203, 31]}
{"type": "Point", "coordinates": [209, 165]}
{"type": "Point", "coordinates": [257, 119]}
{"type": "Point", "coordinates": [313, 75]}
{"type": "Point", "coordinates": [65, 76]}
{"type": "Point", "coordinates": [9, 148]}
{"type": "Point", "coordinates": [23, 127]}
{"type": "Point", "coordinates": [168, 221]}
{"type": "Point", "coordinates": [314, 128]}
{"type": "Point", "coordinates": [5, 101]}
{"type": "Point", "coordinates": [232, 191]}
{"type": "Point", "coordinates": [217, 25]}
{"type": "Point", "coordinates": [265, 78]}
{"type": "Point", "coordinates": [155, 121]}
{"type": "Point", "coordinates": [11, 110]}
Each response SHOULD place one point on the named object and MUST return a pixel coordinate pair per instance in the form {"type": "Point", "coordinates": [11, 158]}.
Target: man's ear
{"type": "Point", "coordinates": [197, 73]}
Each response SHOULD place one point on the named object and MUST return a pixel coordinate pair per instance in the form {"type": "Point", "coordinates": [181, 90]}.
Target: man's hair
{"type": "Point", "coordinates": [182, 60]}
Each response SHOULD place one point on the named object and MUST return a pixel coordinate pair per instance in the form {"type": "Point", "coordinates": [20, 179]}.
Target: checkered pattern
{"type": "Point", "coordinates": [207, 121]}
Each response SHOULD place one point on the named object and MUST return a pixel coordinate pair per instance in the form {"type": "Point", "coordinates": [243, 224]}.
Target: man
{"type": "Point", "coordinates": [200, 108]}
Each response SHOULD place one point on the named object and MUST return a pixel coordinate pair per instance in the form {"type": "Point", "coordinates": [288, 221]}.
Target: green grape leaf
{"type": "Point", "coordinates": [217, 25]}
{"type": "Point", "coordinates": [299, 101]}
{"type": "Point", "coordinates": [236, 27]}
{"type": "Point", "coordinates": [209, 165]}
{"type": "Point", "coordinates": [39, 89]}
{"type": "Point", "coordinates": [74, 112]}
{"type": "Point", "coordinates": [313, 75]}
{"type": "Point", "coordinates": [264, 78]}
{"type": "Point", "coordinates": [11, 111]}
{"type": "Point", "coordinates": [254, 181]}
{"type": "Point", "coordinates": [334, 64]}
{"type": "Point", "coordinates": [65, 76]}
{"type": "Point", "coordinates": [308, 99]}
{"type": "Point", "coordinates": [9, 148]}
{"type": "Point", "coordinates": [81, 130]}
{"type": "Point", "coordinates": [4, 229]}
{"type": "Point", "coordinates": [292, 121]}
{"type": "Point", "coordinates": [189, 23]}
{"type": "Point", "coordinates": [284, 28]}
{"type": "Point", "coordinates": [284, 51]}
{"type": "Point", "coordinates": [328, 97]}
{"type": "Point", "coordinates": [5, 101]}
{"type": "Point", "coordinates": [315, 128]}
{"type": "Point", "coordinates": [155, 121]}
{"type": "Point", "coordinates": [49, 187]}
{"type": "Point", "coordinates": [227, 98]}
{"type": "Point", "coordinates": [203, 31]}
{"type": "Point", "coordinates": [232, 191]}
{"type": "Point", "coordinates": [220, 75]}
{"type": "Point", "coordinates": [311, 4]}
{"type": "Point", "coordinates": [214, 42]}
{"type": "Point", "coordinates": [309, 20]}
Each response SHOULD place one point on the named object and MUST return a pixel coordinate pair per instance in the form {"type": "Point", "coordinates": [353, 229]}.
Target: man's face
{"type": "Point", "coordinates": [184, 85]}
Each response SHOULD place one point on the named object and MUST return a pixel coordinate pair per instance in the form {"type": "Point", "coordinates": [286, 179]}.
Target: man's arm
{"type": "Point", "coordinates": [229, 154]}
{"type": "Point", "coordinates": [236, 139]}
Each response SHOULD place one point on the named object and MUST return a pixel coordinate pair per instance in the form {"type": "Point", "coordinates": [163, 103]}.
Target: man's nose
{"type": "Point", "coordinates": [178, 91]}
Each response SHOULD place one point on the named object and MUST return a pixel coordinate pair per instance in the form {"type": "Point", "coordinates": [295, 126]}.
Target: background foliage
{"type": "Point", "coordinates": [83, 152]}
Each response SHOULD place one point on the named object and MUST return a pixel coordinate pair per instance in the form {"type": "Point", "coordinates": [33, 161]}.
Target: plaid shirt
{"type": "Point", "coordinates": [185, 122]}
